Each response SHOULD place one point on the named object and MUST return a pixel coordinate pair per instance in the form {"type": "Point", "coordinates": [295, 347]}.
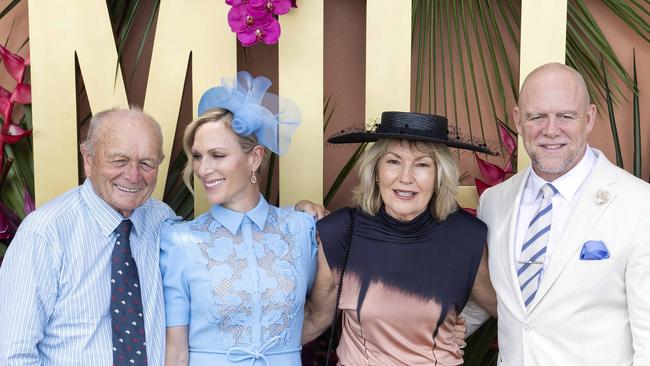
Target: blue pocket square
{"type": "Point", "coordinates": [594, 250]}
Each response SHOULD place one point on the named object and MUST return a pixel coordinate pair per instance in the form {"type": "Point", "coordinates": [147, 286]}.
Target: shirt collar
{"type": "Point", "coordinates": [232, 219]}
{"type": "Point", "coordinates": [105, 216]}
{"type": "Point", "coordinates": [567, 184]}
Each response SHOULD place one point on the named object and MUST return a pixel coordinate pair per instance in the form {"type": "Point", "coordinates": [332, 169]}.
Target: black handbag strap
{"type": "Point", "coordinates": [342, 268]}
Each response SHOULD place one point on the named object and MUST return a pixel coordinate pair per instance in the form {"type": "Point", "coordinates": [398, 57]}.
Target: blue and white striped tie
{"type": "Point", "coordinates": [533, 252]}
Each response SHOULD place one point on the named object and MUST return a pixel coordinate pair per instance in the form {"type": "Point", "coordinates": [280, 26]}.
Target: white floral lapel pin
{"type": "Point", "coordinates": [601, 197]}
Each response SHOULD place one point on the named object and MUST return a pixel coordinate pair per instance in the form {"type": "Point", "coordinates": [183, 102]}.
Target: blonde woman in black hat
{"type": "Point", "coordinates": [405, 260]}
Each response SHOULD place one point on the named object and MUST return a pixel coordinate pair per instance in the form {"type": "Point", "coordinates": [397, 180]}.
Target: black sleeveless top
{"type": "Point", "coordinates": [424, 258]}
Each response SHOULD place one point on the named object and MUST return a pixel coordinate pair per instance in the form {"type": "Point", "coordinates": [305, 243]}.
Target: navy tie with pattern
{"type": "Point", "coordinates": [127, 319]}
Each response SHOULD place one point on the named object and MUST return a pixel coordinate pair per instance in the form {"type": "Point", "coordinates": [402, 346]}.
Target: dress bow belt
{"type": "Point", "coordinates": [238, 354]}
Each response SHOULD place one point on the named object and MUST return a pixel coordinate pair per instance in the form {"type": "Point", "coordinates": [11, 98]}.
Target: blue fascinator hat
{"type": "Point", "coordinates": [272, 119]}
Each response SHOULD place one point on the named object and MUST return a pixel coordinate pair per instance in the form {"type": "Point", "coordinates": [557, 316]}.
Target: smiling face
{"type": "Point", "coordinates": [406, 180]}
{"type": "Point", "coordinates": [554, 118]}
{"type": "Point", "coordinates": [123, 167]}
{"type": "Point", "coordinates": [224, 168]}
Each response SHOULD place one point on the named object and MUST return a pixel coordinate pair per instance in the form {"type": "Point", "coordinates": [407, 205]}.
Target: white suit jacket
{"type": "Point", "coordinates": [586, 312]}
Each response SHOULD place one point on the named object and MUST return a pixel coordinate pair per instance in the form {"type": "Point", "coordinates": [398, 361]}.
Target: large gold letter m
{"type": "Point", "coordinates": [60, 29]}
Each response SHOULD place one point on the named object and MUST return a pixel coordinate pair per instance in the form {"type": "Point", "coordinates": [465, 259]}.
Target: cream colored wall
{"type": "Point", "coordinates": [301, 80]}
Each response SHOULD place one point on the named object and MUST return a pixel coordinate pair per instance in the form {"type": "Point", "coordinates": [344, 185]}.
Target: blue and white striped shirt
{"type": "Point", "coordinates": [55, 282]}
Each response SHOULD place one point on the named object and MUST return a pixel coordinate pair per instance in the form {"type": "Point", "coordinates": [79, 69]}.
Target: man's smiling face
{"type": "Point", "coordinates": [554, 118]}
{"type": "Point", "coordinates": [123, 167]}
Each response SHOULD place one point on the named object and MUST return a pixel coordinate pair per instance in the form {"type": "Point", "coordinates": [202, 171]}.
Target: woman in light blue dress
{"type": "Point", "coordinates": [236, 277]}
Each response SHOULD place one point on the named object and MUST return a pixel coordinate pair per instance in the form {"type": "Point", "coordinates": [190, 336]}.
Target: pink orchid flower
{"type": "Point", "coordinates": [245, 19]}
{"type": "Point", "coordinates": [269, 34]}
{"type": "Point", "coordinates": [277, 7]}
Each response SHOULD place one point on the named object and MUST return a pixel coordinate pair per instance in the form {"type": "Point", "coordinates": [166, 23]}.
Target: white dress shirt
{"type": "Point", "coordinates": [569, 187]}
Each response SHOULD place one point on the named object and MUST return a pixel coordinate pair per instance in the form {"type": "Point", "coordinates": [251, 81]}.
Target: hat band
{"type": "Point", "coordinates": [413, 132]}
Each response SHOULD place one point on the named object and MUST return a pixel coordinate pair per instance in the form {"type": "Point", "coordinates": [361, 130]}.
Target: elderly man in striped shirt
{"type": "Point", "coordinates": [80, 283]}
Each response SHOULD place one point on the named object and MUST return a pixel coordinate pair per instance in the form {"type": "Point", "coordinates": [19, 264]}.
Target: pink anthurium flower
{"type": "Point", "coordinates": [22, 94]}
{"type": "Point", "coordinates": [6, 106]}
{"type": "Point", "coordinates": [493, 174]}
{"type": "Point", "coordinates": [14, 64]}
{"type": "Point", "coordinates": [508, 141]}
{"type": "Point", "coordinates": [481, 186]}
{"type": "Point", "coordinates": [508, 167]}
{"type": "Point", "coordinates": [471, 211]}
{"type": "Point", "coordinates": [10, 134]}
{"type": "Point", "coordinates": [13, 133]}
{"type": "Point", "coordinates": [4, 93]}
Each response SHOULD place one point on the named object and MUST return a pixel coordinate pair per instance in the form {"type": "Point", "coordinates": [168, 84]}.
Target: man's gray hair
{"type": "Point", "coordinates": [96, 122]}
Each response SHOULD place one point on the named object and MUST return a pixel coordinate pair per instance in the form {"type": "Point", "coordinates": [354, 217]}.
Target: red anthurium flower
{"type": "Point", "coordinates": [246, 19]}
{"type": "Point", "coordinates": [6, 106]}
{"type": "Point", "coordinates": [481, 186]}
{"type": "Point", "coordinates": [4, 93]}
{"type": "Point", "coordinates": [12, 134]}
{"type": "Point", "coordinates": [493, 174]}
{"type": "Point", "coordinates": [14, 64]}
{"type": "Point", "coordinates": [508, 167]}
{"type": "Point", "coordinates": [22, 94]}
{"type": "Point", "coordinates": [470, 211]}
{"type": "Point", "coordinates": [508, 141]}
{"type": "Point", "coordinates": [269, 34]}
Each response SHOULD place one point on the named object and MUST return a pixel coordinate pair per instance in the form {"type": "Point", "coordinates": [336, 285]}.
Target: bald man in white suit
{"type": "Point", "coordinates": [587, 301]}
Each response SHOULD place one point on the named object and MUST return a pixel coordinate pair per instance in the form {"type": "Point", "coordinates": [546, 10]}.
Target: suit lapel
{"type": "Point", "coordinates": [511, 199]}
{"type": "Point", "coordinates": [586, 214]}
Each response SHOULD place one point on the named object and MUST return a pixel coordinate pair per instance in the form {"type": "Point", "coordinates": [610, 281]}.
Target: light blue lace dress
{"type": "Point", "coordinates": [239, 281]}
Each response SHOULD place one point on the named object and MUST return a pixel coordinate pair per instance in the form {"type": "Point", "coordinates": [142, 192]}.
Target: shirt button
{"type": "Point", "coordinates": [528, 327]}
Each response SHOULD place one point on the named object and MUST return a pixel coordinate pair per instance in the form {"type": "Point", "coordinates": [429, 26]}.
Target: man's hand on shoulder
{"type": "Point", "coordinates": [314, 209]}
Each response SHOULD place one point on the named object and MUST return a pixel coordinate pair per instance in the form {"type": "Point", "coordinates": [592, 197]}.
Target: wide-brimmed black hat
{"type": "Point", "coordinates": [409, 126]}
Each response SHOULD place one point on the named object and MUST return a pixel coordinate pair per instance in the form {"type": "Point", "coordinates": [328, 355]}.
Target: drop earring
{"type": "Point", "coordinates": [253, 178]}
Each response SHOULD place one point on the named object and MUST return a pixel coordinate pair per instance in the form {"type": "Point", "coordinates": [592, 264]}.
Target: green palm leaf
{"type": "Point", "coordinates": [612, 118]}
{"type": "Point", "coordinates": [636, 120]}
